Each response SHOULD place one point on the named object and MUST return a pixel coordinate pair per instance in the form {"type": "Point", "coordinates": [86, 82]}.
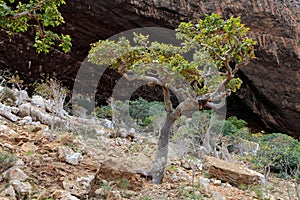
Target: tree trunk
{"type": "Point", "coordinates": [161, 158]}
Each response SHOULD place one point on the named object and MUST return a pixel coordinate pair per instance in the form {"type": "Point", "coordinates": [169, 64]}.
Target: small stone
{"type": "Point", "coordinates": [217, 182]}
{"type": "Point", "coordinates": [26, 120]}
{"type": "Point", "coordinates": [218, 196]}
{"type": "Point", "coordinates": [63, 151]}
{"type": "Point", "coordinates": [79, 187]}
{"type": "Point", "coordinates": [188, 188]}
{"type": "Point", "coordinates": [23, 188]}
{"type": "Point", "coordinates": [129, 194]}
{"type": "Point", "coordinates": [186, 165]}
{"type": "Point", "coordinates": [183, 176]}
{"type": "Point", "coordinates": [38, 101]}
{"type": "Point", "coordinates": [74, 159]}
{"type": "Point", "coordinates": [101, 192]}
{"type": "Point", "coordinates": [19, 163]}
{"type": "Point", "coordinates": [63, 195]}
{"type": "Point", "coordinates": [204, 181]}
{"type": "Point", "coordinates": [23, 96]}
{"type": "Point", "coordinates": [9, 192]}
{"type": "Point", "coordinates": [100, 132]}
{"type": "Point", "coordinates": [9, 146]}
{"type": "Point", "coordinates": [6, 130]}
{"type": "Point", "coordinates": [114, 195]}
{"type": "Point", "coordinates": [108, 123]}
{"type": "Point", "coordinates": [226, 185]}
{"type": "Point", "coordinates": [14, 173]}
{"type": "Point", "coordinates": [174, 177]}
{"type": "Point", "coordinates": [29, 147]}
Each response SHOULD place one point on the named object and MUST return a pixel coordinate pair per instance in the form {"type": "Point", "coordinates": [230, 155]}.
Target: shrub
{"type": "Point", "coordinates": [7, 160]}
{"type": "Point", "coordinates": [7, 96]}
{"type": "Point", "coordinates": [278, 151]}
{"type": "Point", "coordinates": [238, 123]}
{"type": "Point", "coordinates": [140, 110]}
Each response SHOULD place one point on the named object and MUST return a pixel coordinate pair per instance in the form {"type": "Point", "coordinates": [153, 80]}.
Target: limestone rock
{"type": "Point", "coordinates": [63, 195]}
{"type": "Point", "coordinates": [23, 96]}
{"type": "Point", "coordinates": [114, 195]}
{"type": "Point", "coordinates": [14, 173]}
{"type": "Point", "coordinates": [26, 120]}
{"type": "Point", "coordinates": [6, 130]}
{"type": "Point", "coordinates": [23, 188]}
{"type": "Point", "coordinates": [8, 192]}
{"type": "Point", "coordinates": [232, 173]}
{"type": "Point", "coordinates": [9, 112]}
{"type": "Point", "coordinates": [204, 182]}
{"type": "Point", "coordinates": [74, 159]}
{"type": "Point", "coordinates": [79, 186]}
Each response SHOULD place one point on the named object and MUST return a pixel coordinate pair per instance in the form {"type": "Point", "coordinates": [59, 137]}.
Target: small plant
{"type": "Point", "coordinates": [187, 194]}
{"type": "Point", "coordinates": [134, 148]}
{"type": "Point", "coordinates": [106, 186]}
{"type": "Point", "coordinates": [146, 198]}
{"type": "Point", "coordinates": [7, 160]}
{"type": "Point", "coordinates": [55, 93]}
{"type": "Point", "coordinates": [122, 183]}
{"type": "Point", "coordinates": [257, 189]}
{"type": "Point", "coordinates": [29, 153]}
{"type": "Point", "coordinates": [7, 96]}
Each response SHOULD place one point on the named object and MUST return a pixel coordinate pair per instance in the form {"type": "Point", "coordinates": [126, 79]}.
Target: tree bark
{"type": "Point", "coordinates": [161, 158]}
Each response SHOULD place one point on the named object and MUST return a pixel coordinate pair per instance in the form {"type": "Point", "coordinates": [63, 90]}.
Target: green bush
{"type": "Point", "coordinates": [140, 110]}
{"type": "Point", "coordinates": [278, 151]}
{"type": "Point", "coordinates": [238, 123]}
{"type": "Point", "coordinates": [7, 96]}
{"type": "Point", "coordinates": [7, 160]}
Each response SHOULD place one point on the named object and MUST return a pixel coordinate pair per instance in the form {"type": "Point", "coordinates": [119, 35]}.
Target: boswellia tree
{"type": "Point", "coordinates": [219, 47]}
{"type": "Point", "coordinates": [18, 17]}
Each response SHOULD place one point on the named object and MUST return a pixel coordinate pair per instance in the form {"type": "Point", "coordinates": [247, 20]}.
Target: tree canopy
{"type": "Point", "coordinates": [41, 15]}
{"type": "Point", "coordinates": [221, 49]}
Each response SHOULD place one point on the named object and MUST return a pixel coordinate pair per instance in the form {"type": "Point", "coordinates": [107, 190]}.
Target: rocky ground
{"type": "Point", "coordinates": [72, 166]}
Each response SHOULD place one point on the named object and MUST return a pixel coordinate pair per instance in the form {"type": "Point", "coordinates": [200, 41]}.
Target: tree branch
{"type": "Point", "coordinates": [216, 106]}
{"type": "Point", "coordinates": [183, 106]}
{"type": "Point", "coordinates": [212, 49]}
{"type": "Point", "coordinates": [167, 99]}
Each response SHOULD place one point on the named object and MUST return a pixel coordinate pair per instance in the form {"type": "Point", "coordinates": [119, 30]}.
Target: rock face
{"type": "Point", "coordinates": [270, 94]}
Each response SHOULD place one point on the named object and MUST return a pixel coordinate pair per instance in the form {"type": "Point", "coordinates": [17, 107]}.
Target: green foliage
{"type": "Point", "coordinates": [186, 193]}
{"type": "Point", "coordinates": [224, 39]}
{"type": "Point", "coordinates": [146, 198]}
{"type": "Point", "coordinates": [141, 111]}
{"type": "Point", "coordinates": [18, 17]}
{"type": "Point", "coordinates": [278, 151]}
{"type": "Point", "coordinates": [7, 96]}
{"type": "Point", "coordinates": [9, 81]}
{"type": "Point", "coordinates": [257, 189]}
{"type": "Point", "coordinates": [7, 160]}
{"type": "Point", "coordinates": [50, 89]}
{"type": "Point", "coordinates": [122, 183]}
{"type": "Point", "coordinates": [238, 123]}
{"type": "Point", "coordinates": [234, 84]}
{"type": "Point", "coordinates": [216, 42]}
{"type": "Point", "coordinates": [104, 112]}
